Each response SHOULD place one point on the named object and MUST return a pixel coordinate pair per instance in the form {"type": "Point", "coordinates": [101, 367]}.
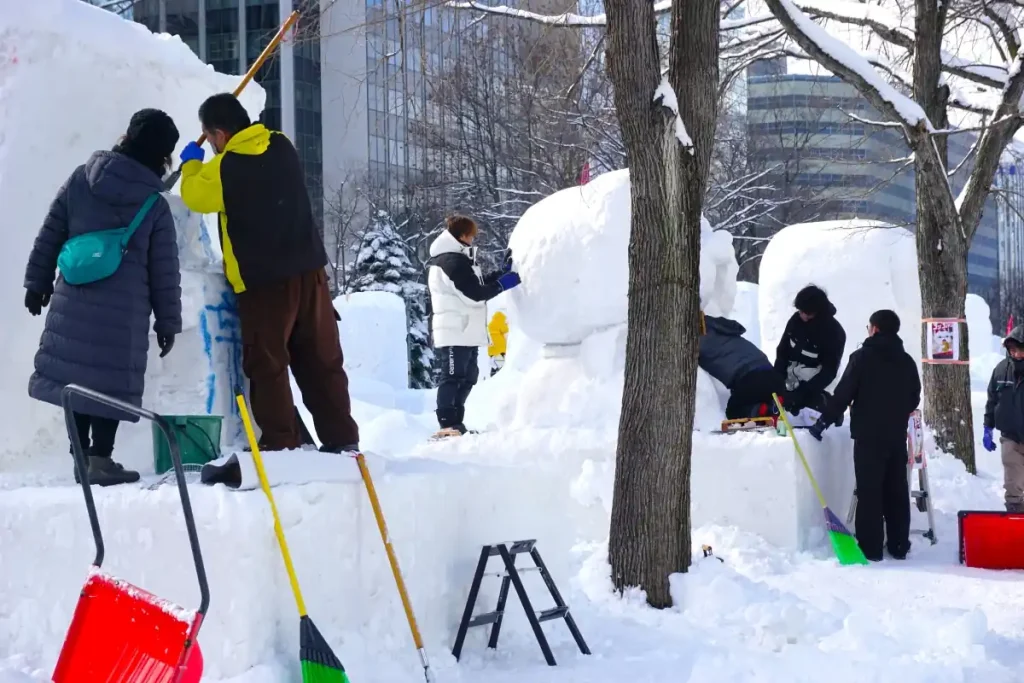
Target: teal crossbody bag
{"type": "Point", "coordinates": [96, 256]}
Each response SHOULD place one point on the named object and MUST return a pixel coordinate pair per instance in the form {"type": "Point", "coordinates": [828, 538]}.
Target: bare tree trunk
{"type": "Point", "coordinates": [941, 247]}
{"type": "Point", "coordinates": [650, 522]}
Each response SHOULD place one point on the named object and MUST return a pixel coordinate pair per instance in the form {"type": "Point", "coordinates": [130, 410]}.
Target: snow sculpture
{"type": "Point", "coordinates": [571, 250]}
{"type": "Point", "coordinates": [46, 130]}
{"type": "Point", "coordinates": [863, 265]}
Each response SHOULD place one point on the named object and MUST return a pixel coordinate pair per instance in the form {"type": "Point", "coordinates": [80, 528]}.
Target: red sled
{"type": "Point", "coordinates": [120, 633]}
{"type": "Point", "coordinates": [991, 539]}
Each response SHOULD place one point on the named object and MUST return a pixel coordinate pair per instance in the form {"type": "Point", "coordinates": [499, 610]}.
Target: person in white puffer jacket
{"type": "Point", "coordinates": [458, 295]}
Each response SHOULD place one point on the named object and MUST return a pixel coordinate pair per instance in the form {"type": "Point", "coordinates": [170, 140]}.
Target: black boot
{"type": "Point", "coordinates": [460, 416]}
{"type": "Point", "coordinates": [106, 472]}
{"type": "Point", "coordinates": [347, 448]}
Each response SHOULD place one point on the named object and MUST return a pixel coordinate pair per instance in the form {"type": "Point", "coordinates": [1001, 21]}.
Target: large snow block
{"type": "Point", "coordinates": [757, 483]}
{"type": "Point", "coordinates": [71, 76]}
{"type": "Point", "coordinates": [863, 265]}
{"type": "Point", "coordinates": [373, 333]}
{"type": "Point", "coordinates": [438, 517]}
{"type": "Point", "coordinates": [572, 251]}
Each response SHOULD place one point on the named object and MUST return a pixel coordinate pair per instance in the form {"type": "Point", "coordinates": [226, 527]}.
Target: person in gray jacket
{"type": "Point", "coordinates": [742, 367]}
{"type": "Point", "coordinates": [97, 335]}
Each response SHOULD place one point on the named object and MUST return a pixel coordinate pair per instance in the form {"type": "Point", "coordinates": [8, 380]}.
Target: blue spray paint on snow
{"type": "Point", "coordinates": [211, 379]}
{"type": "Point", "coordinates": [222, 338]}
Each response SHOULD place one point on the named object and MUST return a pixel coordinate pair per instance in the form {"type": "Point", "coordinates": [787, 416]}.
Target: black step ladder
{"type": "Point", "coordinates": [511, 576]}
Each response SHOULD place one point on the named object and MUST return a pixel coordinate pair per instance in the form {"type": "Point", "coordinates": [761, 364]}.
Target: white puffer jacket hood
{"type": "Point", "coordinates": [458, 294]}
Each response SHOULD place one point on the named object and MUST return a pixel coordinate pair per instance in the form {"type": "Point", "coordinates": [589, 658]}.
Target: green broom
{"type": "Point", "coordinates": [319, 664]}
{"type": "Point", "coordinates": [843, 542]}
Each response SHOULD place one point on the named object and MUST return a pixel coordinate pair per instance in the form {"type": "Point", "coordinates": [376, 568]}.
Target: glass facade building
{"type": "Point", "coordinates": [229, 35]}
{"type": "Point", "coordinates": [831, 166]}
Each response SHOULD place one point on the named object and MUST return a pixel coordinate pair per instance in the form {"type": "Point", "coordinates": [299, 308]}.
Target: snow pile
{"type": "Point", "coordinates": [69, 88]}
{"type": "Point", "coordinates": [979, 328]}
{"type": "Point", "coordinates": [745, 311]}
{"type": "Point", "coordinates": [863, 265]}
{"type": "Point", "coordinates": [373, 332]}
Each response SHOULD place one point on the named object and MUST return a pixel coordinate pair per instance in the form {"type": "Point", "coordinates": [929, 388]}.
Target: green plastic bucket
{"type": "Point", "coordinates": [198, 439]}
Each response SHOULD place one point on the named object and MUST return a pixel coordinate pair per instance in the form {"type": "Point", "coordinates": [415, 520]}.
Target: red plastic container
{"type": "Point", "coordinates": [991, 539]}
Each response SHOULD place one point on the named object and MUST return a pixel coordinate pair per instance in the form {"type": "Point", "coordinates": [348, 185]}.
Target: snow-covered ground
{"type": "Point", "coordinates": [778, 608]}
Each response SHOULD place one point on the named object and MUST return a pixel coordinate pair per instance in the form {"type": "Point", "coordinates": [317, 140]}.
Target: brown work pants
{"type": "Point", "coordinates": [291, 324]}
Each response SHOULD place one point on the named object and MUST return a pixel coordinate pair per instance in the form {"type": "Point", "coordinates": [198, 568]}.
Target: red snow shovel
{"type": "Point", "coordinates": [120, 633]}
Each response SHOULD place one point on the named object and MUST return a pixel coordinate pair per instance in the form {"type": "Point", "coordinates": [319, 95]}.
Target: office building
{"type": "Point", "coordinates": [830, 165]}
{"type": "Point", "coordinates": [229, 35]}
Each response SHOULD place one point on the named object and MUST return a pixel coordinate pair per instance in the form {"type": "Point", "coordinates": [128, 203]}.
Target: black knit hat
{"type": "Point", "coordinates": [813, 300]}
{"type": "Point", "coordinates": [150, 139]}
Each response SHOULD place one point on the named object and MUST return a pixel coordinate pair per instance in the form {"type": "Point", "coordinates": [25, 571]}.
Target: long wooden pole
{"type": "Point", "coordinates": [172, 180]}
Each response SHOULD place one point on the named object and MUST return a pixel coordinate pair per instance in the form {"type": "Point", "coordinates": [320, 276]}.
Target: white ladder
{"type": "Point", "coordinates": [916, 460]}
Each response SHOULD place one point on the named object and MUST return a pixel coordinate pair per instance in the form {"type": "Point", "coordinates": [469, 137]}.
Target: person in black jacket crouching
{"type": "Point", "coordinates": [881, 382]}
{"type": "Point", "coordinates": [810, 351]}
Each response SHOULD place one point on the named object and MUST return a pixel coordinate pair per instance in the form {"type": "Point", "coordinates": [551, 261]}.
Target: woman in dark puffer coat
{"type": "Point", "coordinates": [97, 335]}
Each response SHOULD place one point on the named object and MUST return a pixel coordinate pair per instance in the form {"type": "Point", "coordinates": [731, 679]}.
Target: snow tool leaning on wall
{"type": "Point", "coordinates": [810, 351]}
{"type": "Point", "coordinates": [111, 234]}
{"type": "Point", "coordinates": [275, 260]}
{"type": "Point", "coordinates": [1004, 411]}
{"type": "Point", "coordinates": [740, 366]}
{"type": "Point", "coordinates": [881, 382]}
{"type": "Point", "coordinates": [459, 293]}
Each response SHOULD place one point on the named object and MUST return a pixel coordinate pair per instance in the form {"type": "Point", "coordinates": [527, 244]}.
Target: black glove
{"type": "Point", "coordinates": [818, 428]}
{"type": "Point", "coordinates": [35, 302]}
{"type": "Point", "coordinates": [165, 342]}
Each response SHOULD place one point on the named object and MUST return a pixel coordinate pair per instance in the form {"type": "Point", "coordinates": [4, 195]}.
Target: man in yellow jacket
{"type": "Point", "coordinates": [274, 258]}
{"type": "Point", "coordinates": [497, 329]}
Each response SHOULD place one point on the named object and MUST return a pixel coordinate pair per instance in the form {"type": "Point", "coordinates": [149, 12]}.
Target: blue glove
{"type": "Point", "coordinates": [192, 152]}
{"type": "Point", "coordinates": [987, 441]}
{"type": "Point", "coordinates": [817, 429]}
{"type": "Point", "coordinates": [509, 280]}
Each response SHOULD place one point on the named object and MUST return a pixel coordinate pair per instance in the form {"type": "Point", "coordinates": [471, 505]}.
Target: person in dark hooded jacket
{"type": "Point", "coordinates": [810, 351]}
{"type": "Point", "coordinates": [882, 383]}
{"type": "Point", "coordinates": [1004, 410]}
{"type": "Point", "coordinates": [738, 364]}
{"type": "Point", "coordinates": [97, 335]}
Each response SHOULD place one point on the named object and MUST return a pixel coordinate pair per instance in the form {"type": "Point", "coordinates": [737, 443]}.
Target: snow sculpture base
{"type": "Point", "coordinates": [756, 482]}
{"type": "Point", "coordinates": [438, 516]}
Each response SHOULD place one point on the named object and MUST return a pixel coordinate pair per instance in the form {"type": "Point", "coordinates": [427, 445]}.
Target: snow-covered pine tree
{"type": "Point", "coordinates": [382, 265]}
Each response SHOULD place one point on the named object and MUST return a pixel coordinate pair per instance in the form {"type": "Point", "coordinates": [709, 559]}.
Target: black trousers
{"type": "Point", "coordinates": [883, 496]}
{"type": "Point", "coordinates": [751, 390]}
{"type": "Point", "coordinates": [459, 372]}
{"type": "Point", "coordinates": [102, 431]}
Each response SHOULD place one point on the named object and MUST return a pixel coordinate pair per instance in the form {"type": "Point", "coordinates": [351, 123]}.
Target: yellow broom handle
{"type": "Point", "coordinates": [265, 485]}
{"type": "Point", "coordinates": [799, 451]}
{"type": "Point", "coordinates": [375, 504]}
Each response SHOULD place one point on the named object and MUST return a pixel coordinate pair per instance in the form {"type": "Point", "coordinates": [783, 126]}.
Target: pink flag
{"type": "Point", "coordinates": [1009, 325]}
{"type": "Point", "coordinates": [585, 174]}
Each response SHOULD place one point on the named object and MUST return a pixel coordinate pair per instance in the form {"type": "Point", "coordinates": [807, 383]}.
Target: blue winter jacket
{"type": "Point", "coordinates": [97, 335]}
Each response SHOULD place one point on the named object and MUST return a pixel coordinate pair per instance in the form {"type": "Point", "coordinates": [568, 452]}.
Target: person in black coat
{"type": "Point", "coordinates": [810, 351]}
{"type": "Point", "coordinates": [97, 335]}
{"type": "Point", "coordinates": [882, 383]}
